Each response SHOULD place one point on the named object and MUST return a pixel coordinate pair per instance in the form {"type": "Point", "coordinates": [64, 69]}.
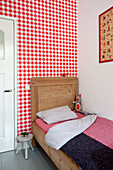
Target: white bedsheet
{"type": "Point", "coordinates": [60, 134]}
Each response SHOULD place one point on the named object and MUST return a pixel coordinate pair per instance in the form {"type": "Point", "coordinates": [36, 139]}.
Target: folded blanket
{"type": "Point", "coordinates": [61, 133]}
{"type": "Point", "coordinates": [88, 153]}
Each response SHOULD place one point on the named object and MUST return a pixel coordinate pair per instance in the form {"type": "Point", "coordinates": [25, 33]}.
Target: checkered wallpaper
{"type": "Point", "coordinates": [46, 44]}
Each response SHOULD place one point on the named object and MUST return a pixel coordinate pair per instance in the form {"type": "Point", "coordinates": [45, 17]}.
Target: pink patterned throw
{"type": "Point", "coordinates": [102, 131]}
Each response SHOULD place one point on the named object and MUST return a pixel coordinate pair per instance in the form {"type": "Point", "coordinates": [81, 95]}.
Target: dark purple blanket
{"type": "Point", "coordinates": [88, 153]}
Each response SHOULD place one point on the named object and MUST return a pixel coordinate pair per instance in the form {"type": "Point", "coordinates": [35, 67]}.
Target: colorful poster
{"type": "Point", "coordinates": [106, 36]}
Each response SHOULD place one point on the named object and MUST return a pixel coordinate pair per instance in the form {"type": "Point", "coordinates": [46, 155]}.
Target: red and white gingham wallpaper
{"type": "Point", "coordinates": [46, 45]}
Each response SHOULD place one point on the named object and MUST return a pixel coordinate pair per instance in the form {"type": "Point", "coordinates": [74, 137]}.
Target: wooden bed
{"type": "Point", "coordinates": [47, 93]}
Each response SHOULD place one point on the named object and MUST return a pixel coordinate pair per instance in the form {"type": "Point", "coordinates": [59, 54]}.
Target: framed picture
{"type": "Point", "coordinates": [106, 36]}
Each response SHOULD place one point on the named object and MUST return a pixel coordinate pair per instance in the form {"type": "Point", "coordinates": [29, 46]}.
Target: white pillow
{"type": "Point", "coordinates": [57, 114]}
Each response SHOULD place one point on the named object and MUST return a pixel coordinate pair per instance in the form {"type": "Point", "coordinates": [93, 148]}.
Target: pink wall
{"type": "Point", "coordinates": [46, 45]}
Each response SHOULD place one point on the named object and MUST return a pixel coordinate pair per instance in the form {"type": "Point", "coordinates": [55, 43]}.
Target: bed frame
{"type": "Point", "coordinates": [47, 93]}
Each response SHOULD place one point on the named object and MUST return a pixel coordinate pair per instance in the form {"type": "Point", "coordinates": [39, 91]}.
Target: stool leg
{"type": "Point", "coordinates": [18, 147]}
{"type": "Point", "coordinates": [26, 151]}
{"type": "Point", "coordinates": [31, 145]}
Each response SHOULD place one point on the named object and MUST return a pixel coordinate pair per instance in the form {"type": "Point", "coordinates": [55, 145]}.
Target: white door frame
{"type": "Point", "coordinates": [15, 74]}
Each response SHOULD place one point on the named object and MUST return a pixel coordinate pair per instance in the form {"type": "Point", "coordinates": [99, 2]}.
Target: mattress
{"type": "Point", "coordinates": [101, 130]}
{"type": "Point", "coordinates": [45, 127]}
{"type": "Point", "coordinates": [92, 149]}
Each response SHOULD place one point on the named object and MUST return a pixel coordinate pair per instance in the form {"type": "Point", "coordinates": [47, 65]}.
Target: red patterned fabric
{"type": "Point", "coordinates": [45, 127]}
{"type": "Point", "coordinates": [100, 130]}
{"type": "Point", "coordinates": [46, 45]}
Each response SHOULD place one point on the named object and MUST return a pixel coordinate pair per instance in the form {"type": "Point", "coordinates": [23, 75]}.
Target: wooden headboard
{"type": "Point", "coordinates": [51, 92]}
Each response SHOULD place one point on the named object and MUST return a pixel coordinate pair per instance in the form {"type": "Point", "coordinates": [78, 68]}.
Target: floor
{"type": "Point", "coordinates": [38, 160]}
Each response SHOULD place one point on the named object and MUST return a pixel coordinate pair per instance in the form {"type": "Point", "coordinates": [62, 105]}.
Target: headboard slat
{"type": "Point", "coordinates": [50, 92]}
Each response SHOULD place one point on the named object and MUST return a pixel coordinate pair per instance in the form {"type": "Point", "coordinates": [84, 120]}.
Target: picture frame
{"type": "Point", "coordinates": [106, 36]}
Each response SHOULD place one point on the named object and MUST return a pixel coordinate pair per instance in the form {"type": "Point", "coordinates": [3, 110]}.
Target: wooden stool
{"type": "Point", "coordinates": [25, 140]}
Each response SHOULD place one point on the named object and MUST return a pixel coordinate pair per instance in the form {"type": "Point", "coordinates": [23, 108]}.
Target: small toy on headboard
{"type": "Point", "coordinates": [78, 103]}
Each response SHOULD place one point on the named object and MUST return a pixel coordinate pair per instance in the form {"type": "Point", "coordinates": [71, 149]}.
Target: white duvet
{"type": "Point", "coordinates": [61, 133]}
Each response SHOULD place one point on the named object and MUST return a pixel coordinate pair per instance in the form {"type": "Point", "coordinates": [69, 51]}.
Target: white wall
{"type": "Point", "coordinates": [95, 80]}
